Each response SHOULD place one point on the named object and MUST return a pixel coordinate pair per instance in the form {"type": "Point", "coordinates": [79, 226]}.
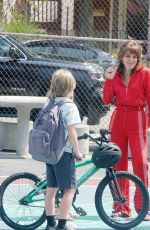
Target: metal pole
{"type": "Point", "coordinates": [124, 34]}
{"type": "Point", "coordinates": [148, 43]}
{"type": "Point", "coordinates": [111, 24]}
{"type": "Point", "coordinates": [120, 19]}
{"type": "Point", "coordinates": [67, 22]}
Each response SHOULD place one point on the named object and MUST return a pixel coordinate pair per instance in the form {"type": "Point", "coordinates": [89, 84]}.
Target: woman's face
{"type": "Point", "coordinates": [129, 60]}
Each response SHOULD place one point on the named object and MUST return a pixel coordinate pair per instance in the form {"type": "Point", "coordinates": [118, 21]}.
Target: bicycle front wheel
{"type": "Point", "coordinates": [15, 213]}
{"type": "Point", "coordinates": [107, 199]}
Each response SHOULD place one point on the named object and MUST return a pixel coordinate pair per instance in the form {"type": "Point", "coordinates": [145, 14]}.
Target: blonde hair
{"type": "Point", "coordinates": [62, 84]}
{"type": "Point", "coordinates": [132, 47]}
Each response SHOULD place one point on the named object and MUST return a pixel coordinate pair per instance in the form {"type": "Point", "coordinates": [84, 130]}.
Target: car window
{"type": "Point", "coordinates": [72, 52]}
{"type": "Point", "coordinates": [78, 53]}
{"type": "Point", "coordinates": [41, 49]}
{"type": "Point", "coordinates": [4, 48]}
{"type": "Point", "coordinates": [90, 54]}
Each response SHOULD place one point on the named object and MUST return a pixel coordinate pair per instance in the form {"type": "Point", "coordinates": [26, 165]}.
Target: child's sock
{"type": "Point", "coordinates": [51, 221]}
{"type": "Point", "coordinates": [61, 223]}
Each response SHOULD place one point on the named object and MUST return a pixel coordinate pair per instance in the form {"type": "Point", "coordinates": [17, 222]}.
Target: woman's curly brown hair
{"type": "Point", "coordinates": [132, 47]}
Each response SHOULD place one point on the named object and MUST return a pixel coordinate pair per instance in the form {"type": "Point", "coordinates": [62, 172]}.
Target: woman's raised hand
{"type": "Point", "coordinates": [110, 72]}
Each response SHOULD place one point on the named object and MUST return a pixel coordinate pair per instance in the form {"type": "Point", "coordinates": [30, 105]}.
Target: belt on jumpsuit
{"type": "Point", "coordinates": [129, 108]}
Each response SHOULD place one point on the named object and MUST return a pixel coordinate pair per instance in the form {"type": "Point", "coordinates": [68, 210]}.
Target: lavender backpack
{"type": "Point", "coordinates": [47, 138]}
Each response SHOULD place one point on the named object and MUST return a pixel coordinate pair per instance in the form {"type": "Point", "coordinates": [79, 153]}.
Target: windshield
{"type": "Point", "coordinates": [16, 41]}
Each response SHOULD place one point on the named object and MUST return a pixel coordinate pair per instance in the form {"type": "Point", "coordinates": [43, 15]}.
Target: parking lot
{"type": "Point", "coordinates": [89, 222]}
{"type": "Point", "coordinates": [9, 165]}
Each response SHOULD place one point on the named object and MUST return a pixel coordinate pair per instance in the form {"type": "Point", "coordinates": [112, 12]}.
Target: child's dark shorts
{"type": "Point", "coordinates": [62, 174]}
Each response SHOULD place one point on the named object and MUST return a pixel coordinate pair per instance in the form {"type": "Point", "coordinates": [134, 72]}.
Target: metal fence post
{"type": "Point", "coordinates": [148, 45]}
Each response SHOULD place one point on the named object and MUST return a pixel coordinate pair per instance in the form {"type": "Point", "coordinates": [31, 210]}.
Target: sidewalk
{"type": "Point", "coordinates": [10, 164]}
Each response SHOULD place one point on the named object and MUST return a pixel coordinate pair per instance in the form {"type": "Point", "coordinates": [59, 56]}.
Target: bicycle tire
{"type": "Point", "coordinates": [12, 190]}
{"type": "Point", "coordinates": [104, 207]}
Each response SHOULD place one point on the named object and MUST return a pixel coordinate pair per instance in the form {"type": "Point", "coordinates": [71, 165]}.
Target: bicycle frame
{"type": "Point", "coordinates": [87, 174]}
{"type": "Point", "coordinates": [29, 198]}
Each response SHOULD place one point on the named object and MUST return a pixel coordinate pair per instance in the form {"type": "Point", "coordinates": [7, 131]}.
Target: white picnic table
{"type": "Point", "coordinates": [23, 105]}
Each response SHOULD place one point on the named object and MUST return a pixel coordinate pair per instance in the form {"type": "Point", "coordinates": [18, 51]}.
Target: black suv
{"type": "Point", "coordinates": [25, 73]}
{"type": "Point", "coordinates": [71, 50]}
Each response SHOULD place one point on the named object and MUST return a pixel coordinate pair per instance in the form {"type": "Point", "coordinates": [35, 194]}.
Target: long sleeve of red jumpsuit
{"type": "Point", "coordinates": [129, 122]}
{"type": "Point", "coordinates": [136, 94]}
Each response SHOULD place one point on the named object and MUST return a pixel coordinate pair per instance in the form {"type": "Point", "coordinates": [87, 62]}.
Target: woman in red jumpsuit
{"type": "Point", "coordinates": [128, 87]}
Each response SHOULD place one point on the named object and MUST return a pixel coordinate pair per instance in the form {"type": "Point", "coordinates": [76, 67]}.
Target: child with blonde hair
{"type": "Point", "coordinates": [62, 175]}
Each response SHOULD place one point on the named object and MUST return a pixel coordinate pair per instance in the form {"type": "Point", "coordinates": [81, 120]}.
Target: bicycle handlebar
{"type": "Point", "coordinates": [101, 139]}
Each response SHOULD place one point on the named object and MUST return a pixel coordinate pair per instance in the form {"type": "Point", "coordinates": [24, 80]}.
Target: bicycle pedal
{"type": "Point", "coordinates": [81, 211]}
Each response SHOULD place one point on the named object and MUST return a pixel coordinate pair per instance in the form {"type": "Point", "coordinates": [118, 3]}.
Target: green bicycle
{"type": "Point", "coordinates": [22, 196]}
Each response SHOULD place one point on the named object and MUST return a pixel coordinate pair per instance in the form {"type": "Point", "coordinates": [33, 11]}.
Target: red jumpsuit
{"type": "Point", "coordinates": [129, 123]}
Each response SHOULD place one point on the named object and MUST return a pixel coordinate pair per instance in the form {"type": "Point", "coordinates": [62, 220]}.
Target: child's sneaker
{"type": "Point", "coordinates": [50, 228]}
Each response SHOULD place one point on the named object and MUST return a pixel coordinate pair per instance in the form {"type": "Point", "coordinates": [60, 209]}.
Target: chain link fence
{"type": "Point", "coordinates": [40, 36]}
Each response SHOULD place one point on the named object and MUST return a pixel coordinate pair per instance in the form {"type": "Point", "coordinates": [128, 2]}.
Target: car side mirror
{"type": "Point", "coordinates": [14, 53]}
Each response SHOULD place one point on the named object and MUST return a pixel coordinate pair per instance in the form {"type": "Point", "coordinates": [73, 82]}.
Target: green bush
{"type": "Point", "coordinates": [19, 24]}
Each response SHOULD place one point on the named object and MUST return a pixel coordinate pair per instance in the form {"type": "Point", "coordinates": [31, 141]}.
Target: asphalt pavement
{"type": "Point", "coordinates": [10, 164]}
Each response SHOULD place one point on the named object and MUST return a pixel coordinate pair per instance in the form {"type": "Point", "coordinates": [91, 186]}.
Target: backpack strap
{"type": "Point", "coordinates": [50, 104]}
{"type": "Point", "coordinates": [45, 110]}
{"type": "Point", "coordinates": [60, 103]}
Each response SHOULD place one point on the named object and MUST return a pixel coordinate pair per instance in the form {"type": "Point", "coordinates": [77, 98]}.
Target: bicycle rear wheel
{"type": "Point", "coordinates": [104, 201]}
{"type": "Point", "coordinates": [18, 215]}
